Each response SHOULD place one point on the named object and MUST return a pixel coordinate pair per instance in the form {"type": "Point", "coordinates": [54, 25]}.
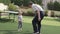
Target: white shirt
{"type": "Point", "coordinates": [37, 7]}
{"type": "Point", "coordinates": [19, 17]}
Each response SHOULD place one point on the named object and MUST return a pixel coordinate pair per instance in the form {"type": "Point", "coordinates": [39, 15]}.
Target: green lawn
{"type": "Point", "coordinates": [49, 26]}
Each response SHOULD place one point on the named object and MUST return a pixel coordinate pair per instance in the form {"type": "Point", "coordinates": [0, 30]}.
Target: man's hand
{"type": "Point", "coordinates": [39, 19]}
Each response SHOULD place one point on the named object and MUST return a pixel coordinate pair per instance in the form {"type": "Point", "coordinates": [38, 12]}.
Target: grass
{"type": "Point", "coordinates": [50, 25]}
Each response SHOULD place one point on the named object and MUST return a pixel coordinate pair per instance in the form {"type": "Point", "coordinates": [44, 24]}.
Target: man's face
{"type": "Point", "coordinates": [30, 6]}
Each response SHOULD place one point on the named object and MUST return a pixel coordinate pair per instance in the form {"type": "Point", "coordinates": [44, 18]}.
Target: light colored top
{"type": "Point", "coordinates": [19, 17]}
{"type": "Point", "coordinates": [37, 7]}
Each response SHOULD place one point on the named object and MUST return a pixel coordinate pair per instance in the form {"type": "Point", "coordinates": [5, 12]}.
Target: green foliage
{"type": "Point", "coordinates": [5, 1]}
{"type": "Point", "coordinates": [52, 14]}
{"type": "Point", "coordinates": [50, 6]}
{"type": "Point", "coordinates": [12, 7]}
{"type": "Point", "coordinates": [54, 6]}
{"type": "Point", "coordinates": [46, 13]}
{"type": "Point", "coordinates": [25, 2]}
{"type": "Point", "coordinates": [57, 14]}
{"type": "Point", "coordinates": [37, 1]}
{"type": "Point", "coordinates": [28, 13]}
{"type": "Point", "coordinates": [17, 2]}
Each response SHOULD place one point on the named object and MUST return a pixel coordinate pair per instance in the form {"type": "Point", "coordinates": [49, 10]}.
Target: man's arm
{"type": "Point", "coordinates": [38, 12]}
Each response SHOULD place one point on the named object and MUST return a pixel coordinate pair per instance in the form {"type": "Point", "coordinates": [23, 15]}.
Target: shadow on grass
{"type": "Point", "coordinates": [13, 32]}
{"type": "Point", "coordinates": [4, 20]}
{"type": "Point", "coordinates": [9, 31]}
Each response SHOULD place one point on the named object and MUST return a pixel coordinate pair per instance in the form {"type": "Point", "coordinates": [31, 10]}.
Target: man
{"type": "Point", "coordinates": [36, 22]}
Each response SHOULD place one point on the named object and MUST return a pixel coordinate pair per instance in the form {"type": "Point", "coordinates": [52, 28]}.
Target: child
{"type": "Point", "coordinates": [20, 20]}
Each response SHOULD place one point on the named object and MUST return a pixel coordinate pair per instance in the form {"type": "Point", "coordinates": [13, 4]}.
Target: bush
{"type": "Point", "coordinates": [5, 1]}
{"type": "Point", "coordinates": [57, 13]}
{"type": "Point", "coordinates": [49, 13]}
{"type": "Point", "coordinates": [50, 6]}
{"type": "Point", "coordinates": [28, 13]}
{"type": "Point", "coordinates": [46, 13]}
{"type": "Point", "coordinates": [12, 7]}
{"type": "Point", "coordinates": [54, 6]}
{"type": "Point", "coordinates": [52, 14]}
{"type": "Point", "coordinates": [25, 2]}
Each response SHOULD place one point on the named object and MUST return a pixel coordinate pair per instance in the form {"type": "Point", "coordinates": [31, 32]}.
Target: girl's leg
{"type": "Point", "coordinates": [19, 24]}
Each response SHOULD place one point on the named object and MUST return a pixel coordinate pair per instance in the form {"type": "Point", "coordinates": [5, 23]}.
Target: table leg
{"type": "Point", "coordinates": [14, 18]}
{"type": "Point", "coordinates": [0, 15]}
{"type": "Point", "coordinates": [9, 15]}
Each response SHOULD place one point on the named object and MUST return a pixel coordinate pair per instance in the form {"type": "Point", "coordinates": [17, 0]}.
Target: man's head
{"type": "Point", "coordinates": [30, 4]}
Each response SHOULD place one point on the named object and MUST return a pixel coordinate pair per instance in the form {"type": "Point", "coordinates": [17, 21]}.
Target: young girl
{"type": "Point", "coordinates": [20, 20]}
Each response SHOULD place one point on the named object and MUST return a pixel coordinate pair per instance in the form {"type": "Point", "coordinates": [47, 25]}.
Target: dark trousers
{"type": "Point", "coordinates": [37, 24]}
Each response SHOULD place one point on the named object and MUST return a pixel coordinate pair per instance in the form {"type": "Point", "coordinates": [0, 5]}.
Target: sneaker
{"type": "Point", "coordinates": [34, 33]}
{"type": "Point", "coordinates": [38, 33]}
{"type": "Point", "coordinates": [20, 29]}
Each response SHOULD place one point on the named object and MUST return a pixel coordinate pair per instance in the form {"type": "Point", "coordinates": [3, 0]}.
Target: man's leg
{"type": "Point", "coordinates": [39, 26]}
{"type": "Point", "coordinates": [34, 23]}
{"type": "Point", "coordinates": [39, 22]}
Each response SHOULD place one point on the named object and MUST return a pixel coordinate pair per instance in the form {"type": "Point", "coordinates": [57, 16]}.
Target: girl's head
{"type": "Point", "coordinates": [20, 12]}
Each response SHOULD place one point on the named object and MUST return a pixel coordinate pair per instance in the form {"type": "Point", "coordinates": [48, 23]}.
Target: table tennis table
{"type": "Point", "coordinates": [10, 12]}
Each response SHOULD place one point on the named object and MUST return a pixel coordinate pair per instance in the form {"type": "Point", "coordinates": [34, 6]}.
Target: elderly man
{"type": "Point", "coordinates": [36, 22]}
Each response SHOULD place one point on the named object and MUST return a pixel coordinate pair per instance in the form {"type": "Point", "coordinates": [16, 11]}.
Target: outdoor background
{"type": "Point", "coordinates": [9, 21]}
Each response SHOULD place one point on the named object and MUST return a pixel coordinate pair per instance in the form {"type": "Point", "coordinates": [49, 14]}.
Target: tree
{"type": "Point", "coordinates": [37, 1]}
{"type": "Point", "coordinates": [54, 6]}
{"type": "Point", "coordinates": [25, 2]}
{"type": "Point", "coordinates": [5, 1]}
{"type": "Point", "coordinates": [17, 2]}
{"type": "Point", "coordinates": [50, 6]}
{"type": "Point", "coordinates": [12, 7]}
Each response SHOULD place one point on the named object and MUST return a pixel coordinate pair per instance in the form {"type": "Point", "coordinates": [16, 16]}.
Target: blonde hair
{"type": "Point", "coordinates": [20, 12]}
